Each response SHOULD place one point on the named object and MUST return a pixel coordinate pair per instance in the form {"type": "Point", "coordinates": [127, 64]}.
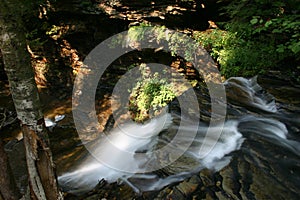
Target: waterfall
{"type": "Point", "coordinates": [114, 156]}
{"type": "Point", "coordinates": [247, 92]}
{"type": "Point", "coordinates": [111, 164]}
{"type": "Point", "coordinates": [117, 156]}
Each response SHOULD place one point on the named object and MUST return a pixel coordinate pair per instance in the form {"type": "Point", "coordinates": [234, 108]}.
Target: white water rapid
{"type": "Point", "coordinates": [109, 162]}
{"type": "Point", "coordinates": [113, 165]}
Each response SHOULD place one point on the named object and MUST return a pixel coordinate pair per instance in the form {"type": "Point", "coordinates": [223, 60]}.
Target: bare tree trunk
{"type": "Point", "coordinates": [8, 187]}
{"type": "Point", "coordinates": [17, 64]}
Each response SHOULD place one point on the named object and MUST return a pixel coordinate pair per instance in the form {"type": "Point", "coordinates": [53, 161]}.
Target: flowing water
{"type": "Point", "coordinates": [259, 134]}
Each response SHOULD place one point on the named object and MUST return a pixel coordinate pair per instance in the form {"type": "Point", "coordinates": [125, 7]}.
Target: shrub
{"type": "Point", "coordinates": [261, 35]}
{"type": "Point", "coordinates": [151, 93]}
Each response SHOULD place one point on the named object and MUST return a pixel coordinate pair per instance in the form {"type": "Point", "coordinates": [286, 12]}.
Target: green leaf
{"type": "Point", "coordinates": [280, 48]}
{"type": "Point", "coordinates": [295, 47]}
{"type": "Point", "coordinates": [277, 31]}
{"type": "Point", "coordinates": [254, 21]}
{"type": "Point", "coordinates": [268, 23]}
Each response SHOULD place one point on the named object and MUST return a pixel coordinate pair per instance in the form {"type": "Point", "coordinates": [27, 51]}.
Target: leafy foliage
{"type": "Point", "coordinates": [236, 56]}
{"type": "Point", "coordinates": [261, 35]}
{"type": "Point", "coordinates": [150, 93]}
{"type": "Point", "coordinates": [178, 44]}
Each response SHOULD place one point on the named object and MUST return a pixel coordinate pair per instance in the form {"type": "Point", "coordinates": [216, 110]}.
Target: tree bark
{"type": "Point", "coordinates": [8, 187]}
{"type": "Point", "coordinates": [17, 64]}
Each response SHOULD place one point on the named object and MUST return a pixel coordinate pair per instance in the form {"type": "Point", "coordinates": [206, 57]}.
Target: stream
{"type": "Point", "coordinates": [256, 156]}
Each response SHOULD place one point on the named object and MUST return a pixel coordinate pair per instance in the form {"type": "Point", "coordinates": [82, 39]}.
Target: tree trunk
{"type": "Point", "coordinates": [8, 188]}
{"type": "Point", "coordinates": [17, 64]}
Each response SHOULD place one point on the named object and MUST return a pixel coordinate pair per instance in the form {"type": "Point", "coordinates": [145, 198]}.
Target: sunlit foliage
{"type": "Point", "coordinates": [261, 35]}
{"type": "Point", "coordinates": [151, 93]}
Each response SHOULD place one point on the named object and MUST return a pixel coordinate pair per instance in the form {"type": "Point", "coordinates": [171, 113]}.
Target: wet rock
{"type": "Point", "coordinates": [230, 183]}
{"type": "Point", "coordinates": [206, 177]}
{"type": "Point", "coordinates": [251, 176]}
{"type": "Point", "coordinates": [284, 92]}
{"type": "Point", "coordinates": [182, 164]}
{"type": "Point", "coordinates": [189, 186]}
{"type": "Point", "coordinates": [105, 190]}
{"type": "Point", "coordinates": [170, 193]}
